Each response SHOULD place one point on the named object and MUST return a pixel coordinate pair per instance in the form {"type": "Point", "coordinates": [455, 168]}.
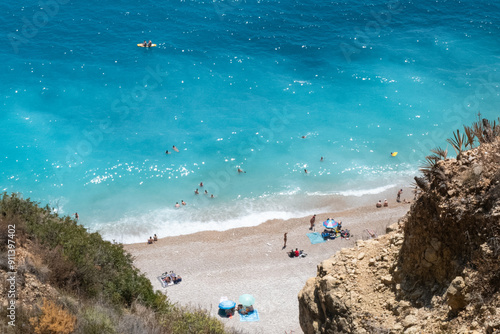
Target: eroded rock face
{"type": "Point", "coordinates": [438, 270]}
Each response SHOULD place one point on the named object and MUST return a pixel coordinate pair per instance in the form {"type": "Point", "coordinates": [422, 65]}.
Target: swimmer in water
{"type": "Point", "coordinates": [183, 203]}
{"type": "Point", "coordinates": [241, 170]}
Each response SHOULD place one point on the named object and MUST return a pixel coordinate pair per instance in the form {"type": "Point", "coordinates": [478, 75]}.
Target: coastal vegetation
{"type": "Point", "coordinates": [71, 281]}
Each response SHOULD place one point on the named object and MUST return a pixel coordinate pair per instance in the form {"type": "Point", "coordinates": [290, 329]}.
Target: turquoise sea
{"type": "Point", "coordinates": [86, 115]}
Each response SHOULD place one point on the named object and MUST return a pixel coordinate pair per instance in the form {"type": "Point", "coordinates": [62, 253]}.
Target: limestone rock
{"type": "Point", "coordinates": [455, 294]}
{"type": "Point", "coordinates": [387, 279]}
{"type": "Point", "coordinates": [443, 255]}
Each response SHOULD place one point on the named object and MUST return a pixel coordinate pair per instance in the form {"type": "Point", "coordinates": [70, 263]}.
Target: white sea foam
{"type": "Point", "coordinates": [362, 192]}
{"type": "Point", "coordinates": [172, 222]}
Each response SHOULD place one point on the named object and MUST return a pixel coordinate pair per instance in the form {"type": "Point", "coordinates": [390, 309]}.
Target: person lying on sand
{"type": "Point", "coordinates": [245, 309]}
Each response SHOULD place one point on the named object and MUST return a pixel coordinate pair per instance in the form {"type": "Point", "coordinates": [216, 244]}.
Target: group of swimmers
{"type": "Point", "coordinates": [322, 159]}
{"type": "Point", "coordinates": [174, 148]}
{"type": "Point", "coordinates": [177, 205]}
{"type": "Point", "coordinates": [196, 192]}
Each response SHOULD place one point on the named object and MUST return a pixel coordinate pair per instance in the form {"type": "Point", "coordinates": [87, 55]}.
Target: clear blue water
{"type": "Point", "coordinates": [86, 115]}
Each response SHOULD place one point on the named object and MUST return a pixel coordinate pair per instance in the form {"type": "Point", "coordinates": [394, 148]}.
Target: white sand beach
{"type": "Point", "coordinates": [251, 260]}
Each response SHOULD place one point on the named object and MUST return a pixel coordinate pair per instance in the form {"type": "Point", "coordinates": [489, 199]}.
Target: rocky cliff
{"type": "Point", "coordinates": [437, 271]}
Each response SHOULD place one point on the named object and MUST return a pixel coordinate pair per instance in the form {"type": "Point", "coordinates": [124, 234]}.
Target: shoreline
{"type": "Point", "coordinates": [170, 222]}
{"type": "Point", "coordinates": [252, 260]}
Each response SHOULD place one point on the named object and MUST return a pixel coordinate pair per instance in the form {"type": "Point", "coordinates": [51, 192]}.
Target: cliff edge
{"type": "Point", "coordinates": [436, 271]}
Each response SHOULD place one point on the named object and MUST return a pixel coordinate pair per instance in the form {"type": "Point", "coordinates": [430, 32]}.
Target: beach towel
{"type": "Point", "coordinates": [253, 316]}
{"type": "Point", "coordinates": [315, 237]}
{"type": "Point", "coordinates": [171, 275]}
{"type": "Point", "coordinates": [163, 283]}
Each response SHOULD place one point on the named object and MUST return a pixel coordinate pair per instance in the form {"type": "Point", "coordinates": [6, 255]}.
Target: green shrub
{"type": "Point", "coordinates": [85, 266]}
{"type": "Point", "coordinates": [96, 321]}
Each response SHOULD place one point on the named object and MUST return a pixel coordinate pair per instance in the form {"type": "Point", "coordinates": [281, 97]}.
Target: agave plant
{"type": "Point", "coordinates": [428, 166]}
{"type": "Point", "coordinates": [440, 153]}
{"type": "Point", "coordinates": [496, 128]}
{"type": "Point", "coordinates": [478, 130]}
{"type": "Point", "coordinates": [471, 138]}
{"type": "Point", "coordinates": [457, 142]}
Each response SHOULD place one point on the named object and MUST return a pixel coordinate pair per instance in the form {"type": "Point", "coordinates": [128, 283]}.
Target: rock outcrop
{"type": "Point", "coordinates": [437, 271]}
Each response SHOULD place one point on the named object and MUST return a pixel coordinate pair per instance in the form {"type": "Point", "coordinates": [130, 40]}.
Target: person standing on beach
{"type": "Point", "coordinates": [313, 219]}
{"type": "Point", "coordinates": [398, 199]}
{"type": "Point", "coordinates": [284, 240]}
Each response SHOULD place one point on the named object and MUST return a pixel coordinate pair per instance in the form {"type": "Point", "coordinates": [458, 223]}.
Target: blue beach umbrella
{"type": "Point", "coordinates": [246, 300]}
{"type": "Point", "coordinates": [330, 223]}
{"type": "Point", "coordinates": [227, 305]}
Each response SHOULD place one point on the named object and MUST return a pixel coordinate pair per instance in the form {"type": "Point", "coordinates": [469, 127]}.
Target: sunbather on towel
{"type": "Point", "coordinates": [177, 279]}
{"type": "Point", "coordinates": [245, 309]}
